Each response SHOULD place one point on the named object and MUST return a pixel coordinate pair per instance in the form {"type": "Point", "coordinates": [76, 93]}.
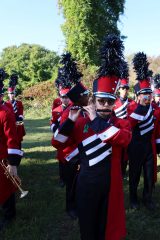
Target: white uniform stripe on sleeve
{"type": "Point", "coordinates": [15, 151]}
{"type": "Point", "coordinates": [72, 154]}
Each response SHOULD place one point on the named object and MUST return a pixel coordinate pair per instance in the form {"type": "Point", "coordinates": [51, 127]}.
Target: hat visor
{"type": "Point", "coordinates": [104, 95]}
{"type": "Point", "coordinates": [145, 90]}
{"type": "Point", "coordinates": [84, 93]}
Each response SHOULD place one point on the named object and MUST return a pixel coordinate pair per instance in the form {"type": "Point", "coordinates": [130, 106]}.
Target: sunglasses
{"type": "Point", "coordinates": [125, 87]}
{"type": "Point", "coordinates": [103, 101]}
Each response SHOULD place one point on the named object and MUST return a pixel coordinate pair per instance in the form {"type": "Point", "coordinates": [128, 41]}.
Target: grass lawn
{"type": "Point", "coordinates": [41, 215]}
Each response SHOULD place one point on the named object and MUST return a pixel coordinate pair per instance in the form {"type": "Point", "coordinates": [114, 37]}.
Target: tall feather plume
{"type": "Point", "coordinates": [112, 57]}
{"type": "Point", "coordinates": [13, 80]}
{"type": "Point", "coordinates": [2, 77]}
{"type": "Point", "coordinates": [125, 70]}
{"type": "Point", "coordinates": [68, 74]}
{"type": "Point", "coordinates": [156, 80]}
{"type": "Point", "coordinates": [140, 65]}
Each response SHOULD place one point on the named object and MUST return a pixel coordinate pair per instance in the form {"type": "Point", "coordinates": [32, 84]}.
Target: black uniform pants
{"type": "Point", "coordinates": [9, 207]}
{"type": "Point", "coordinates": [140, 156]}
{"type": "Point", "coordinates": [62, 171]}
{"type": "Point", "coordinates": [70, 180]}
{"type": "Point", "coordinates": [92, 203]}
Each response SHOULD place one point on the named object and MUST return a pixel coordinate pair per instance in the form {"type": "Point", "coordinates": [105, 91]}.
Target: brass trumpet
{"type": "Point", "coordinates": [15, 180]}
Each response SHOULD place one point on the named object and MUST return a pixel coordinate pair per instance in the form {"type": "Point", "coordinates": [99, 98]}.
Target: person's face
{"type": "Point", "coordinates": [145, 97]}
{"type": "Point", "coordinates": [65, 100]}
{"type": "Point", "coordinates": [157, 99]}
{"type": "Point", "coordinates": [123, 91]}
{"type": "Point", "coordinates": [11, 96]}
{"type": "Point", "coordinates": [104, 104]}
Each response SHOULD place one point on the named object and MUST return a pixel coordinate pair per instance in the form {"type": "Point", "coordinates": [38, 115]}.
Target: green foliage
{"type": "Point", "coordinates": [86, 24]}
{"type": "Point", "coordinates": [33, 63]}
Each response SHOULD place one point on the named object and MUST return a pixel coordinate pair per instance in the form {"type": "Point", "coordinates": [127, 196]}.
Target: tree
{"type": "Point", "coordinates": [86, 24]}
{"type": "Point", "coordinates": [33, 63]}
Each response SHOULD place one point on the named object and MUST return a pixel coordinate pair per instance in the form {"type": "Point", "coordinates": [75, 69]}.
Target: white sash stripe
{"type": "Point", "coordinates": [72, 154]}
{"type": "Point", "coordinates": [137, 116]}
{"type": "Point", "coordinates": [110, 132]}
{"type": "Point", "coordinates": [149, 111]}
{"type": "Point", "coordinates": [145, 124]}
{"type": "Point", "coordinates": [147, 129]}
{"type": "Point", "coordinates": [95, 148]}
{"type": "Point", "coordinates": [123, 116]}
{"type": "Point", "coordinates": [100, 157]}
{"type": "Point", "coordinates": [121, 107]}
{"type": "Point", "coordinates": [52, 126]}
{"type": "Point", "coordinates": [59, 119]}
{"type": "Point", "coordinates": [89, 140]}
{"type": "Point", "coordinates": [124, 111]}
{"type": "Point", "coordinates": [59, 137]}
{"type": "Point", "coordinates": [158, 140]}
{"type": "Point", "coordinates": [15, 151]}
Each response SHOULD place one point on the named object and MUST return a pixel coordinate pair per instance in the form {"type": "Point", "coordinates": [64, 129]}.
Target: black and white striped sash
{"type": "Point", "coordinates": [121, 112]}
{"type": "Point", "coordinates": [14, 105]}
{"type": "Point", "coordinates": [146, 123]}
{"type": "Point", "coordinates": [95, 149]}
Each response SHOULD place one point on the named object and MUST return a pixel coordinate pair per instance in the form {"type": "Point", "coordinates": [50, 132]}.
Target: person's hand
{"type": "Point", "coordinates": [12, 170]}
{"type": "Point", "coordinates": [73, 114]}
{"type": "Point", "coordinates": [91, 111]}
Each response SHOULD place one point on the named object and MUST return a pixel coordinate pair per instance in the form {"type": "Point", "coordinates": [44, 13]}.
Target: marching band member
{"type": "Point", "coordinates": [16, 107]}
{"type": "Point", "coordinates": [142, 150]}
{"type": "Point", "coordinates": [55, 121]}
{"type": "Point", "coordinates": [68, 75]}
{"type": "Point", "coordinates": [9, 149]}
{"type": "Point", "coordinates": [123, 105]}
{"type": "Point", "coordinates": [97, 140]}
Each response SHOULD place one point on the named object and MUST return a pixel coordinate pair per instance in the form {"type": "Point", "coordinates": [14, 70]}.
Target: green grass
{"type": "Point", "coordinates": [41, 215]}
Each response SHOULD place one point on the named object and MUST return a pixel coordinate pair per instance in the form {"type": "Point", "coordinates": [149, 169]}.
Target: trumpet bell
{"type": "Point", "coordinates": [23, 194]}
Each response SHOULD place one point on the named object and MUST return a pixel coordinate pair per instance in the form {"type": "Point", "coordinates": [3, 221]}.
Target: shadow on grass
{"type": "Point", "coordinates": [37, 125]}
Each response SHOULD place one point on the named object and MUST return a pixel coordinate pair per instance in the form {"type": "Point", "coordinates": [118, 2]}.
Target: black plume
{"type": "Point", "coordinates": [156, 79]}
{"type": "Point", "coordinates": [141, 64]}
{"type": "Point", "coordinates": [2, 77]}
{"type": "Point", "coordinates": [68, 74]}
{"type": "Point", "coordinates": [125, 70]}
{"type": "Point", "coordinates": [13, 80]}
{"type": "Point", "coordinates": [2, 74]}
{"type": "Point", "coordinates": [112, 57]}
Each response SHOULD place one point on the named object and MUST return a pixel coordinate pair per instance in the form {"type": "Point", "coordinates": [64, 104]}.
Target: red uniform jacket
{"type": "Point", "coordinates": [54, 124]}
{"type": "Point", "coordinates": [9, 149]}
{"type": "Point", "coordinates": [19, 117]}
{"type": "Point", "coordinates": [118, 134]}
{"type": "Point", "coordinates": [56, 103]}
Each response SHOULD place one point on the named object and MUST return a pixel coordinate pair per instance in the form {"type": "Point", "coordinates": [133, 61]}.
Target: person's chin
{"type": "Point", "coordinates": [104, 115]}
